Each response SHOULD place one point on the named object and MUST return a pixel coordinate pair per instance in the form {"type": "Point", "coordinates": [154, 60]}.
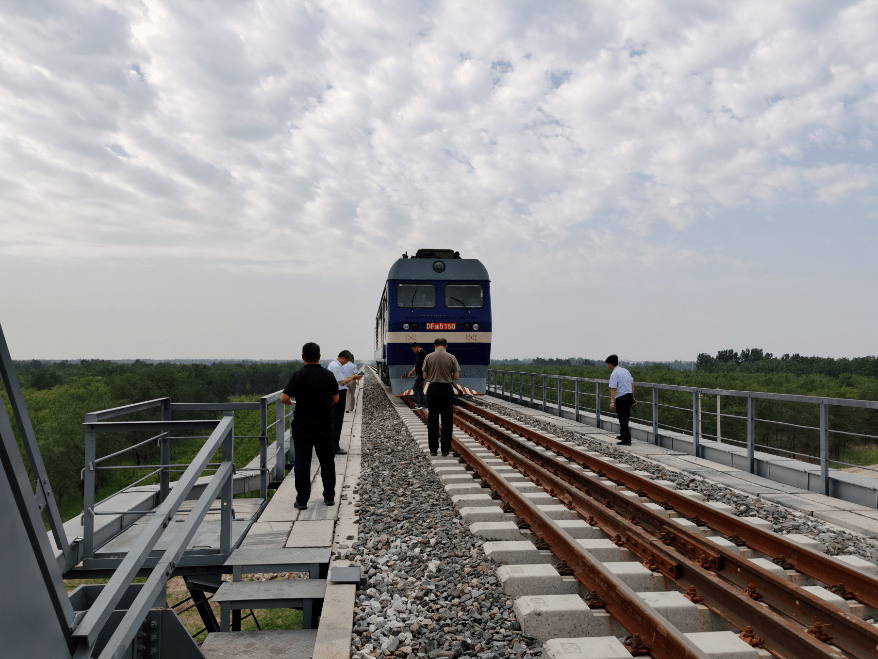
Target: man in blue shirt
{"type": "Point", "coordinates": [621, 397]}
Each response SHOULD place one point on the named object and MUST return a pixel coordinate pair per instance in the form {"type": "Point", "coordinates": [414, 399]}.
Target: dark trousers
{"type": "Point", "coordinates": [623, 410]}
{"type": "Point", "coordinates": [338, 418]}
{"type": "Point", "coordinates": [305, 443]}
{"type": "Point", "coordinates": [440, 404]}
{"type": "Point", "coordinates": [418, 390]}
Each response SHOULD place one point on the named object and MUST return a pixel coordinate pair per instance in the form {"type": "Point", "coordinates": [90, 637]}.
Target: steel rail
{"type": "Point", "coordinates": [641, 543]}
{"type": "Point", "coordinates": [664, 641]}
{"type": "Point", "coordinates": [853, 635]}
{"type": "Point", "coordinates": [806, 561]}
{"type": "Point", "coordinates": [785, 639]}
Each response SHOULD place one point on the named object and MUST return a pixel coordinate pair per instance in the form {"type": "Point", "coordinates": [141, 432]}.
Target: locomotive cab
{"type": "Point", "coordinates": [433, 294]}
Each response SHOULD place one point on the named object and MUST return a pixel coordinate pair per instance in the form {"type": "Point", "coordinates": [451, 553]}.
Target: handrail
{"type": "Point", "coordinates": [129, 448]}
{"type": "Point", "coordinates": [795, 398]}
{"type": "Point", "coordinates": [113, 412]}
{"type": "Point", "coordinates": [136, 426]}
{"type": "Point", "coordinates": [99, 613]}
{"type": "Point", "coordinates": [215, 407]}
{"type": "Point", "coordinates": [695, 410]}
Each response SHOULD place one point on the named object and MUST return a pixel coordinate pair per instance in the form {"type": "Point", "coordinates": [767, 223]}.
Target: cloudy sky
{"type": "Point", "coordinates": [231, 179]}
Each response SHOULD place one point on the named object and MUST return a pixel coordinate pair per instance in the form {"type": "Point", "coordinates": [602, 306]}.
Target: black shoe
{"type": "Point", "coordinates": [432, 452]}
{"type": "Point", "coordinates": [621, 443]}
{"type": "Point", "coordinates": [329, 502]}
{"type": "Point", "coordinates": [341, 451]}
{"type": "Point", "coordinates": [444, 455]}
{"type": "Point", "coordinates": [300, 506]}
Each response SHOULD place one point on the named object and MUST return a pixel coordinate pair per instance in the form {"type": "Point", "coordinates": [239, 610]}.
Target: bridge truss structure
{"type": "Point", "coordinates": [143, 530]}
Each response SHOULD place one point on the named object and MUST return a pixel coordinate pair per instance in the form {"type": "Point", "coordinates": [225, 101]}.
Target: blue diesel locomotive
{"type": "Point", "coordinates": [434, 294]}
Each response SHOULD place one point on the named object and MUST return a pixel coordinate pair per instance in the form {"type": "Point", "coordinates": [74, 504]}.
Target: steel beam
{"type": "Point", "coordinates": [131, 622]}
{"type": "Point", "coordinates": [31, 447]}
{"type": "Point", "coordinates": [15, 473]}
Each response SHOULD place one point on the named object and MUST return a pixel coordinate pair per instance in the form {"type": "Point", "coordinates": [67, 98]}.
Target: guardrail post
{"type": "Point", "coordinates": [165, 450]}
{"type": "Point", "coordinates": [545, 386]}
{"type": "Point", "coordinates": [227, 491]}
{"type": "Point", "coordinates": [576, 416]}
{"type": "Point", "coordinates": [824, 448]}
{"type": "Point", "coordinates": [719, 433]}
{"type": "Point", "coordinates": [655, 412]}
{"type": "Point", "coordinates": [521, 388]}
{"type": "Point", "coordinates": [263, 451]}
{"type": "Point", "coordinates": [280, 413]}
{"type": "Point", "coordinates": [751, 434]}
{"type": "Point", "coordinates": [597, 405]}
{"type": "Point", "coordinates": [696, 423]}
{"type": "Point", "coordinates": [560, 384]}
{"type": "Point", "coordinates": [532, 379]}
{"type": "Point", "coordinates": [88, 499]}
{"type": "Point", "coordinates": [279, 457]}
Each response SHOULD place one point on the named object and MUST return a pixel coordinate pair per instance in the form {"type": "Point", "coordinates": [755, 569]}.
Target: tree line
{"type": "Point", "coordinates": [756, 360]}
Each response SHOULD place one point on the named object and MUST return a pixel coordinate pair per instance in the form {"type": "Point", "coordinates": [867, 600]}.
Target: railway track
{"type": "Point", "coordinates": [782, 599]}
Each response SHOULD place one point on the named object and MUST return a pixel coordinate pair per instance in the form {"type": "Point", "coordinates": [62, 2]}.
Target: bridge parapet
{"type": "Point", "coordinates": [743, 419]}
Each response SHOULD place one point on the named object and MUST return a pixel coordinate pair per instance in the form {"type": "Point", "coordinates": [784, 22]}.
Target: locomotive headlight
{"type": "Point", "coordinates": [405, 326]}
{"type": "Point", "coordinates": [476, 326]}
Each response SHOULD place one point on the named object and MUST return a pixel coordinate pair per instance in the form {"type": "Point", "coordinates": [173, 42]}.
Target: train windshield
{"type": "Point", "coordinates": [415, 296]}
{"type": "Point", "coordinates": [464, 296]}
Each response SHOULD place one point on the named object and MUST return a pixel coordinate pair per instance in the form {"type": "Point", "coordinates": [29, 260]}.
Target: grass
{"type": "Point", "coordinates": [860, 455]}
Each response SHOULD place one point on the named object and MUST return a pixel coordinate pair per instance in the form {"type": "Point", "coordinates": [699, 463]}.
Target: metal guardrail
{"type": "Point", "coordinates": [41, 619]}
{"type": "Point", "coordinates": [164, 432]}
{"type": "Point", "coordinates": [93, 622]}
{"type": "Point", "coordinates": [498, 380]}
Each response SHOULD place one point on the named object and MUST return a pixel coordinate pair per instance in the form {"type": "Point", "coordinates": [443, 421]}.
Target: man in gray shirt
{"type": "Point", "coordinates": [621, 397]}
{"type": "Point", "coordinates": [440, 370]}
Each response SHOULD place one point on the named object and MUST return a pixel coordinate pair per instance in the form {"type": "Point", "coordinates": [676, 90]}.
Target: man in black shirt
{"type": "Point", "coordinates": [418, 370]}
{"type": "Point", "coordinates": [315, 391]}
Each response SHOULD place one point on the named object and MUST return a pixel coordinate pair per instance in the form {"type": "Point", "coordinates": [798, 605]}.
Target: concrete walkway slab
{"type": "Point", "coordinates": [290, 643]}
{"type": "Point", "coordinates": [314, 533]}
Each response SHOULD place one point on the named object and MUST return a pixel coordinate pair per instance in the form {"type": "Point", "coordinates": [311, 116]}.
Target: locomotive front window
{"type": "Point", "coordinates": [464, 296]}
{"type": "Point", "coordinates": [415, 296]}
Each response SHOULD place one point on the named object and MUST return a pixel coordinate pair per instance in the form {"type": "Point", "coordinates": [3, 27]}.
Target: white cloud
{"type": "Point", "coordinates": [253, 136]}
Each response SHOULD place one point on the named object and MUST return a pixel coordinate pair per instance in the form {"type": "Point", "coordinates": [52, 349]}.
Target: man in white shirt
{"type": "Point", "coordinates": [621, 397]}
{"type": "Point", "coordinates": [348, 370]}
{"type": "Point", "coordinates": [336, 367]}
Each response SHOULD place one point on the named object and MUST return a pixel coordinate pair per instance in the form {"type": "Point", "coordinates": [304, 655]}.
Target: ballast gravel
{"type": "Point", "coordinates": [837, 541]}
{"type": "Point", "coordinates": [431, 590]}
